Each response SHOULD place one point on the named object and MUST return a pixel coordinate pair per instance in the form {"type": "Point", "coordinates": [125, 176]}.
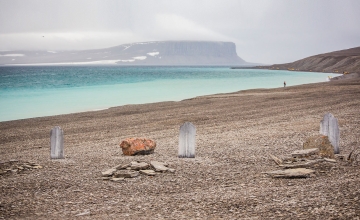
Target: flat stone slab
{"type": "Point", "coordinates": [126, 174]}
{"type": "Point", "coordinates": [159, 166]}
{"type": "Point", "coordinates": [139, 165]}
{"type": "Point", "coordinates": [148, 172]}
{"type": "Point", "coordinates": [305, 152]}
{"type": "Point", "coordinates": [291, 173]}
{"type": "Point", "coordinates": [121, 166]}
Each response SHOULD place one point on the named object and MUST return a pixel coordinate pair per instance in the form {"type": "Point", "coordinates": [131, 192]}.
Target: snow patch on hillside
{"type": "Point", "coordinates": [153, 53]}
{"type": "Point", "coordinates": [140, 58]}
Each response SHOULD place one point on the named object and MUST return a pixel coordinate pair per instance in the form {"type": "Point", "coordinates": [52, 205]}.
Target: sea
{"type": "Point", "coordinates": [37, 91]}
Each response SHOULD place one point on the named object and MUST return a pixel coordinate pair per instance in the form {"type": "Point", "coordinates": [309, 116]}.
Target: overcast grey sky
{"type": "Point", "coordinates": [264, 31]}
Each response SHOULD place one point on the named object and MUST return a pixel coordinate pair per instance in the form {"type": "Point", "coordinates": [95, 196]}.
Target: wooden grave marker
{"type": "Point", "coordinates": [329, 126]}
{"type": "Point", "coordinates": [187, 140]}
{"type": "Point", "coordinates": [57, 143]}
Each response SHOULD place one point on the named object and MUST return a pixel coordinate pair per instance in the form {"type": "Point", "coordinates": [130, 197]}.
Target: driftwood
{"type": "Point", "coordinates": [353, 155]}
{"type": "Point", "coordinates": [302, 165]}
{"type": "Point", "coordinates": [276, 160]}
{"type": "Point", "coordinates": [291, 173]}
{"type": "Point", "coordinates": [305, 152]}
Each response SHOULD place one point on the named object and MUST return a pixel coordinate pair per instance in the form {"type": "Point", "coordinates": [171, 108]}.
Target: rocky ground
{"type": "Point", "coordinates": [227, 179]}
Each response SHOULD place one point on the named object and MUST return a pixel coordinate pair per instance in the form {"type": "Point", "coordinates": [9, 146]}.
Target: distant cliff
{"type": "Point", "coordinates": [145, 53]}
{"type": "Point", "coordinates": [343, 61]}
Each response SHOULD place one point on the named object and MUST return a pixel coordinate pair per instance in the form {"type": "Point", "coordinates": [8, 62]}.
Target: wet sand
{"type": "Point", "coordinates": [236, 132]}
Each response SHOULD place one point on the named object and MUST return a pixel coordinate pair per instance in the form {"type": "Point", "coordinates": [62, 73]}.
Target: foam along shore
{"type": "Point", "coordinates": [346, 76]}
{"type": "Point", "coordinates": [236, 132]}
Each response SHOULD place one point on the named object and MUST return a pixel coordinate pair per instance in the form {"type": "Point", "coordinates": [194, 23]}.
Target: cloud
{"type": "Point", "coordinates": [65, 40]}
{"type": "Point", "coordinates": [264, 31]}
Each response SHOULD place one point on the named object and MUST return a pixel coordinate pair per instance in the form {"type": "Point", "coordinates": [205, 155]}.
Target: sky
{"type": "Point", "coordinates": [264, 31]}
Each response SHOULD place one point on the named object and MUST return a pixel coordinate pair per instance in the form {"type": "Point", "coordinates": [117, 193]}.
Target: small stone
{"type": "Point", "coordinates": [117, 179]}
{"type": "Point", "coordinates": [159, 166]}
{"type": "Point", "coordinates": [171, 170]}
{"type": "Point", "coordinates": [37, 167]}
{"type": "Point", "coordinates": [305, 153]}
{"type": "Point", "coordinates": [108, 172]}
{"type": "Point", "coordinates": [13, 160]}
{"type": "Point", "coordinates": [148, 172]}
{"type": "Point", "coordinates": [126, 174]}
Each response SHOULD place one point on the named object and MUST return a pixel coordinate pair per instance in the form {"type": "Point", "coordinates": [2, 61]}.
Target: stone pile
{"type": "Point", "coordinates": [15, 166]}
{"type": "Point", "coordinates": [297, 166]}
{"type": "Point", "coordinates": [134, 169]}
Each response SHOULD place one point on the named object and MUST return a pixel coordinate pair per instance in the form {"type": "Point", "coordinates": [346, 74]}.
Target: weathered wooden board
{"type": "Point", "coordinates": [57, 143]}
{"type": "Point", "coordinates": [187, 140]}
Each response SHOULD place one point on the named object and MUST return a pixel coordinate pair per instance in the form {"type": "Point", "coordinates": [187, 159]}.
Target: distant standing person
{"type": "Point", "coordinates": [284, 84]}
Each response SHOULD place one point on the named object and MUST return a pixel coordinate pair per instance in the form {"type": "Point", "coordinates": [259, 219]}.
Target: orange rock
{"type": "Point", "coordinates": [136, 146]}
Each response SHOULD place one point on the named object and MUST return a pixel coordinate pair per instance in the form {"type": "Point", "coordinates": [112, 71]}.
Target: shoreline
{"type": "Point", "coordinates": [107, 107]}
{"type": "Point", "coordinates": [236, 132]}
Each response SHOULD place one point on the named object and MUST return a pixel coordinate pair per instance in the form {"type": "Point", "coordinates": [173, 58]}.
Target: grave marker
{"type": "Point", "coordinates": [187, 140]}
{"type": "Point", "coordinates": [329, 127]}
{"type": "Point", "coordinates": [57, 143]}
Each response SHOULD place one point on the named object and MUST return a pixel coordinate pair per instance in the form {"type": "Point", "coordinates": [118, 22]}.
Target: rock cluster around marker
{"type": "Point", "coordinates": [297, 166]}
{"type": "Point", "coordinates": [134, 169]}
{"type": "Point", "coordinates": [137, 146]}
{"type": "Point", "coordinates": [15, 166]}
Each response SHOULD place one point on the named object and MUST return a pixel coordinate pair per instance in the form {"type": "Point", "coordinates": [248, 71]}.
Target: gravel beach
{"type": "Point", "coordinates": [236, 132]}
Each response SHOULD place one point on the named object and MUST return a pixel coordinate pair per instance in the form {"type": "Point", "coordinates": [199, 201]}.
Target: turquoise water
{"type": "Point", "coordinates": [35, 91]}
